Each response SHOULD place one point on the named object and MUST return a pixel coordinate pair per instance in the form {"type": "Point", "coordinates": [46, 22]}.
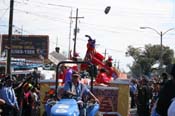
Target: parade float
{"type": "Point", "coordinates": [108, 86]}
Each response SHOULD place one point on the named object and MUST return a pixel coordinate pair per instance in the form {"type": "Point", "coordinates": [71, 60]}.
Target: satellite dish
{"type": "Point", "coordinates": [107, 9]}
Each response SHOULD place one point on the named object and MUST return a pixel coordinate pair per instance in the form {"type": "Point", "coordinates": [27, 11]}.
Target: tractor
{"type": "Point", "coordinates": [70, 106]}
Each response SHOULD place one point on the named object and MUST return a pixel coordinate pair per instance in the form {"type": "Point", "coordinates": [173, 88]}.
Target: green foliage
{"type": "Point", "coordinates": [145, 58]}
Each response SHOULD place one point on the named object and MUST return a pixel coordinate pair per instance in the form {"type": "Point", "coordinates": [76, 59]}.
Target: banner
{"type": "Point", "coordinates": [27, 46]}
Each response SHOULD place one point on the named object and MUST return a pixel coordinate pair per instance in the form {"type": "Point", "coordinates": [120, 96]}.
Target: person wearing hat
{"type": "Point", "coordinates": [167, 93]}
{"type": "Point", "coordinates": [77, 90]}
{"type": "Point", "coordinates": [7, 93]}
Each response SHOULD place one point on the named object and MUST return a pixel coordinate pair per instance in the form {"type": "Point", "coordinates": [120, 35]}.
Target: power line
{"type": "Point", "coordinates": [42, 16]}
{"type": "Point", "coordinates": [110, 27]}
{"type": "Point", "coordinates": [40, 7]}
{"type": "Point", "coordinates": [127, 11]}
{"type": "Point", "coordinates": [4, 8]}
{"type": "Point", "coordinates": [4, 13]}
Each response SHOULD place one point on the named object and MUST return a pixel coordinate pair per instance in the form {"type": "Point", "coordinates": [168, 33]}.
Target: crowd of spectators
{"type": "Point", "coordinates": [20, 97]}
{"type": "Point", "coordinates": [154, 96]}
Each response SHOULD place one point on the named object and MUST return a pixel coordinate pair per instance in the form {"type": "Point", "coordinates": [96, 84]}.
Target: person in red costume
{"type": "Point", "coordinates": [102, 77]}
{"type": "Point", "coordinates": [62, 73]}
{"type": "Point", "coordinates": [111, 71]}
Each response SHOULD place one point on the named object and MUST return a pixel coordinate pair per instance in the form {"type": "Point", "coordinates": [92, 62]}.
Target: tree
{"type": "Point", "coordinates": [145, 58]}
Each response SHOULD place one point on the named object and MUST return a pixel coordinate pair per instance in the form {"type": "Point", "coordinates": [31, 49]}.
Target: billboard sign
{"type": "Point", "coordinates": [27, 46]}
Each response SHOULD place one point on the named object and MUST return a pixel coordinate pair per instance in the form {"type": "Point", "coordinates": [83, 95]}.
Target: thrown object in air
{"type": "Point", "coordinates": [107, 9]}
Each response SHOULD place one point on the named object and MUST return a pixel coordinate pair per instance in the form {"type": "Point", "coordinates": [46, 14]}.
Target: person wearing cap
{"type": "Point", "coordinates": [7, 93]}
{"type": "Point", "coordinates": [78, 90]}
{"type": "Point", "coordinates": [167, 93]}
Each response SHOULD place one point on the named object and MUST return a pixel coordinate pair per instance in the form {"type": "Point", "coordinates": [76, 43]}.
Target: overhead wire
{"type": "Point", "coordinates": [42, 16]}
{"type": "Point", "coordinates": [98, 10]}
{"type": "Point", "coordinates": [85, 8]}
{"type": "Point", "coordinates": [4, 2]}
{"type": "Point", "coordinates": [4, 13]}
{"type": "Point", "coordinates": [47, 17]}
{"type": "Point", "coordinates": [44, 8]}
{"type": "Point", "coordinates": [4, 9]}
{"type": "Point", "coordinates": [40, 7]}
{"type": "Point", "coordinates": [126, 10]}
{"type": "Point", "coordinates": [110, 27]}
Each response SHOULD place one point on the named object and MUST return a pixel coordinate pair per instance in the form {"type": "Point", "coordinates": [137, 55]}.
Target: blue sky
{"type": "Point", "coordinates": [113, 32]}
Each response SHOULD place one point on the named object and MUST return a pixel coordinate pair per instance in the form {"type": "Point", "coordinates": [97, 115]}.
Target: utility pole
{"type": "Point", "coordinates": [118, 66]}
{"type": "Point", "coordinates": [117, 63]}
{"type": "Point", "coordinates": [8, 68]}
{"type": "Point", "coordinates": [105, 53]}
{"type": "Point", "coordinates": [70, 28]}
{"type": "Point", "coordinates": [161, 50]}
{"type": "Point", "coordinates": [75, 31]}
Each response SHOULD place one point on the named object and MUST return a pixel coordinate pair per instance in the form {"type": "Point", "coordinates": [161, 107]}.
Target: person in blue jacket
{"type": "Point", "coordinates": [10, 108]}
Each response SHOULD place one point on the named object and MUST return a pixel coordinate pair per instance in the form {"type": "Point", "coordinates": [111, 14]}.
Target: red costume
{"type": "Point", "coordinates": [102, 78]}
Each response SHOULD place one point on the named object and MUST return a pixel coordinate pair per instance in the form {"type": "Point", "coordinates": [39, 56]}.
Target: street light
{"type": "Point", "coordinates": [161, 34]}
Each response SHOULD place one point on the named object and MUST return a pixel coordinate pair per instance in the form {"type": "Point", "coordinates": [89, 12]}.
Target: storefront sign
{"type": "Point", "coordinates": [27, 46]}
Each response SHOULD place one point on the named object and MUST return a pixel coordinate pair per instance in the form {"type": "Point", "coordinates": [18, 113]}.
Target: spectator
{"type": "Point", "coordinates": [28, 100]}
{"type": "Point", "coordinates": [36, 76]}
{"type": "Point", "coordinates": [166, 94]}
{"type": "Point", "coordinates": [164, 79]}
{"type": "Point", "coordinates": [171, 109]}
{"type": "Point", "coordinates": [8, 95]}
{"type": "Point", "coordinates": [144, 95]}
{"type": "Point", "coordinates": [133, 90]}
